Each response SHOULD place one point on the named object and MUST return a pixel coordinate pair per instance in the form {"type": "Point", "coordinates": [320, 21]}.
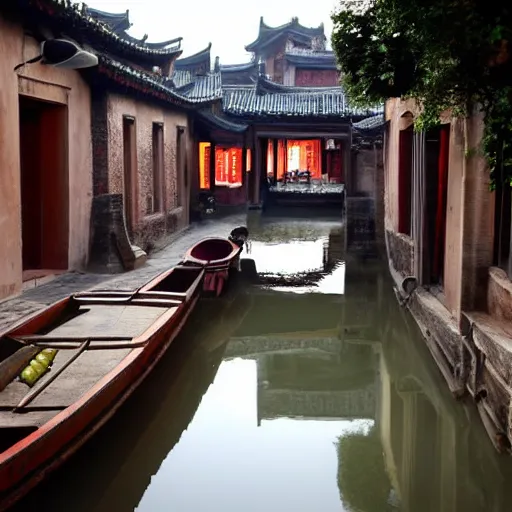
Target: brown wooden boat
{"type": "Point", "coordinates": [217, 256]}
{"type": "Point", "coordinates": [106, 342]}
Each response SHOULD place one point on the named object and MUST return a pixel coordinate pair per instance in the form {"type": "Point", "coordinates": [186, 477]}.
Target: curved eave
{"type": "Point", "coordinates": [154, 46]}
{"type": "Point", "coordinates": [199, 58]}
{"type": "Point", "coordinates": [265, 86]}
{"type": "Point", "coordinates": [311, 62]}
{"type": "Point", "coordinates": [70, 18]}
{"type": "Point", "coordinates": [135, 81]}
{"type": "Point", "coordinates": [118, 21]}
{"type": "Point", "coordinates": [236, 68]}
{"type": "Point", "coordinates": [214, 121]}
{"type": "Point", "coordinates": [266, 41]}
{"type": "Point", "coordinates": [268, 34]}
{"type": "Point", "coordinates": [370, 126]}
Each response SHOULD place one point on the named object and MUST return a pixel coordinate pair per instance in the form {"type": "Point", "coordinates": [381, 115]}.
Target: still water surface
{"type": "Point", "coordinates": [316, 398]}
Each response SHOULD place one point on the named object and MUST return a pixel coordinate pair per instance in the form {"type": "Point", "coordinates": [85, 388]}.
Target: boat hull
{"type": "Point", "coordinates": [30, 460]}
{"type": "Point", "coordinates": [218, 256]}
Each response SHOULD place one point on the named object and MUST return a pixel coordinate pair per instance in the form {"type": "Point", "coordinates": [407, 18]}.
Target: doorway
{"type": "Point", "coordinates": [44, 187]}
{"type": "Point", "coordinates": [436, 161]}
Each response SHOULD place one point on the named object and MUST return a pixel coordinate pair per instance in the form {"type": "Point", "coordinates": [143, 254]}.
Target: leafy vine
{"type": "Point", "coordinates": [448, 55]}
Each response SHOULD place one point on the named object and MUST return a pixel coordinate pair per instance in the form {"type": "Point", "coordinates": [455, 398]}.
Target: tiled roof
{"type": "Point", "coordinates": [312, 59]}
{"type": "Point", "coordinates": [74, 19]}
{"type": "Point", "coordinates": [234, 68]}
{"type": "Point", "coordinates": [266, 86]}
{"type": "Point", "coordinates": [284, 101]}
{"type": "Point", "coordinates": [182, 77]}
{"type": "Point", "coordinates": [294, 29]}
{"type": "Point", "coordinates": [370, 124]}
{"type": "Point", "coordinates": [145, 83]}
{"type": "Point", "coordinates": [118, 22]}
{"type": "Point", "coordinates": [202, 88]}
{"type": "Point", "coordinates": [220, 121]}
{"type": "Point", "coordinates": [192, 62]}
{"type": "Point", "coordinates": [239, 74]}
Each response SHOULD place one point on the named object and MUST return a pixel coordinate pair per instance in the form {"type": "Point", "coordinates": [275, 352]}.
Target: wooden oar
{"type": "Point", "coordinates": [11, 367]}
{"type": "Point", "coordinates": [35, 392]}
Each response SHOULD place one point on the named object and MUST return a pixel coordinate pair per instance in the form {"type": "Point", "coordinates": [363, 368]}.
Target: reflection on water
{"type": "Point", "coordinates": [276, 400]}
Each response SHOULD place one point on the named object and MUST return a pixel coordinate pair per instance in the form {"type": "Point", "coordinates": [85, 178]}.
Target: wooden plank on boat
{"type": "Point", "coordinates": [35, 392]}
{"type": "Point", "coordinates": [71, 384]}
{"type": "Point", "coordinates": [81, 376]}
{"type": "Point", "coordinates": [176, 296]}
{"type": "Point", "coordinates": [52, 338]}
{"type": "Point", "coordinates": [32, 419]}
{"type": "Point", "coordinates": [96, 345]}
{"type": "Point", "coordinates": [127, 321]}
{"type": "Point", "coordinates": [14, 365]}
{"type": "Point", "coordinates": [151, 302]}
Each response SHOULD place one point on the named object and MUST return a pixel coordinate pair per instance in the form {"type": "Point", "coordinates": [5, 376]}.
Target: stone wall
{"type": "Point", "coordinates": [150, 227]}
{"type": "Point", "coordinates": [499, 295]}
{"type": "Point", "coordinates": [401, 252]}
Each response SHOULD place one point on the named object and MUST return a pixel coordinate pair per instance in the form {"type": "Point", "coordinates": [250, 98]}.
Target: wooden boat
{"type": "Point", "coordinates": [107, 342]}
{"type": "Point", "coordinates": [217, 256]}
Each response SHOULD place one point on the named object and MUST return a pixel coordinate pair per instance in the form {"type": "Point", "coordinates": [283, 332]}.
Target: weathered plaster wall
{"type": "Point", "coordinates": [478, 230]}
{"type": "Point", "coordinates": [316, 77]}
{"type": "Point", "coordinates": [499, 295]}
{"type": "Point", "coordinates": [470, 206]}
{"type": "Point", "coordinates": [51, 84]}
{"type": "Point", "coordinates": [397, 113]}
{"type": "Point", "coordinates": [149, 227]}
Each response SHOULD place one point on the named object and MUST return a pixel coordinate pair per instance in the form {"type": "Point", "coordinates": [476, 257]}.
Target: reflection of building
{"type": "Point", "coordinates": [436, 453]}
{"type": "Point", "coordinates": [317, 386]}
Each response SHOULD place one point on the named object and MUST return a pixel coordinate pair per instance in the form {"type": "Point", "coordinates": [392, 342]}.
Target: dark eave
{"type": "Point", "coordinates": [266, 86]}
{"type": "Point", "coordinates": [373, 125]}
{"type": "Point", "coordinates": [294, 29]}
{"type": "Point", "coordinates": [312, 60]}
{"type": "Point", "coordinates": [118, 22]}
{"type": "Point", "coordinates": [142, 83]}
{"type": "Point", "coordinates": [202, 88]}
{"type": "Point", "coordinates": [163, 45]}
{"type": "Point", "coordinates": [61, 16]}
{"type": "Point", "coordinates": [220, 122]}
{"type": "Point", "coordinates": [235, 68]}
{"type": "Point", "coordinates": [193, 62]}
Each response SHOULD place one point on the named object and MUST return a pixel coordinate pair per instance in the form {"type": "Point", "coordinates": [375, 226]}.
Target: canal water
{"type": "Point", "coordinates": [312, 397]}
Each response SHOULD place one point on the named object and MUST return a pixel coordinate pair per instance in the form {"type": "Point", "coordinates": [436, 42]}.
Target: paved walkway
{"type": "Point", "coordinates": [36, 298]}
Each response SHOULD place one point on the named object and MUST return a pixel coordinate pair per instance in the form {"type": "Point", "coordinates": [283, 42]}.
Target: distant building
{"type": "Point", "coordinates": [293, 54]}
{"type": "Point", "coordinates": [283, 111]}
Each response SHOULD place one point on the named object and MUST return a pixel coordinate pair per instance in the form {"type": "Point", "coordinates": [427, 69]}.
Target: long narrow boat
{"type": "Point", "coordinates": [106, 343]}
{"type": "Point", "coordinates": [217, 256]}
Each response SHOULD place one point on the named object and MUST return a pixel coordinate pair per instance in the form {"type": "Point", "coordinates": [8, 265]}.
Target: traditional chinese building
{"type": "Point", "coordinates": [450, 237]}
{"type": "Point", "coordinates": [96, 161]}
{"type": "Point", "coordinates": [259, 129]}
{"type": "Point", "coordinates": [293, 54]}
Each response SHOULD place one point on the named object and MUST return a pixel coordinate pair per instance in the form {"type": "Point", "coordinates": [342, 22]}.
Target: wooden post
{"type": "Point", "coordinates": [212, 167]}
{"type": "Point", "coordinates": [275, 147]}
{"type": "Point", "coordinates": [244, 170]}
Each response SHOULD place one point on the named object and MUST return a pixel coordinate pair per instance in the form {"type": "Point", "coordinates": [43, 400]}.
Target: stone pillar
{"type": "Point", "coordinates": [111, 251]}
{"type": "Point", "coordinates": [275, 148]}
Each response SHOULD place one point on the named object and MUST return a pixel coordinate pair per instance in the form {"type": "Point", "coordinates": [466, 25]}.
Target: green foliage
{"type": "Point", "coordinates": [362, 479]}
{"type": "Point", "coordinates": [446, 54]}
